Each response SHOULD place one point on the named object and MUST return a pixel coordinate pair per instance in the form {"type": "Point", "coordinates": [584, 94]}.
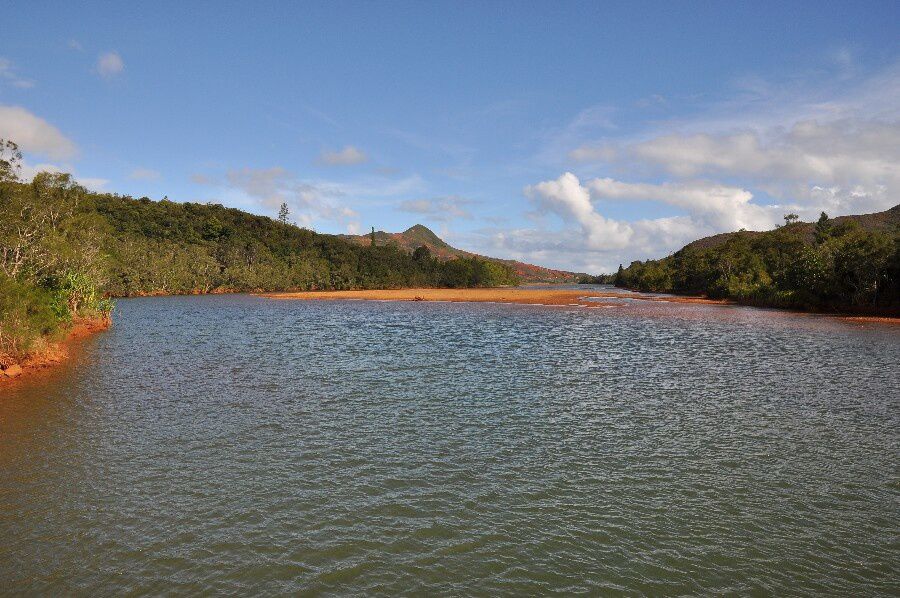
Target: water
{"type": "Point", "coordinates": [235, 444]}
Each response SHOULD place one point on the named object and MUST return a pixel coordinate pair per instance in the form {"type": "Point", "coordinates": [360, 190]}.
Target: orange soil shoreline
{"type": "Point", "coordinates": [493, 295]}
{"type": "Point", "coordinates": [548, 297]}
{"type": "Point", "coordinates": [54, 353]}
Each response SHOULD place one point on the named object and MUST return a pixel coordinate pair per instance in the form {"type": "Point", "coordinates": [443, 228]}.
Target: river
{"type": "Point", "coordinates": [236, 444]}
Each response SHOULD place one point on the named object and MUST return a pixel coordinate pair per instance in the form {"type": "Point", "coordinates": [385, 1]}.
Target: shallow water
{"type": "Point", "coordinates": [244, 445]}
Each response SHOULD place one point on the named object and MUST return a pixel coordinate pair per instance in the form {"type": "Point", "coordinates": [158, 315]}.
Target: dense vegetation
{"type": "Point", "coordinates": [50, 261]}
{"type": "Point", "coordinates": [63, 250]}
{"type": "Point", "coordinates": [845, 264]}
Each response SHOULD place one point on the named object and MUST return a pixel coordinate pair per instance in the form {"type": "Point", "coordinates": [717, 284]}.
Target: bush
{"type": "Point", "coordinates": [27, 313]}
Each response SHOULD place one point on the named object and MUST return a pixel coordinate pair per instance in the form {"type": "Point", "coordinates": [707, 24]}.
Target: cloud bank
{"type": "Point", "coordinates": [826, 145]}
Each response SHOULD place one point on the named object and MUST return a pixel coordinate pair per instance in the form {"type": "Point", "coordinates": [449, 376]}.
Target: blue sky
{"type": "Point", "coordinates": [574, 135]}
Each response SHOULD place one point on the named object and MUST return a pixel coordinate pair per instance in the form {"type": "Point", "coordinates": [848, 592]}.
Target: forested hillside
{"type": "Point", "coordinates": [65, 250]}
{"type": "Point", "coordinates": [421, 236]}
{"type": "Point", "coordinates": [851, 263]}
{"type": "Point", "coordinates": [170, 247]}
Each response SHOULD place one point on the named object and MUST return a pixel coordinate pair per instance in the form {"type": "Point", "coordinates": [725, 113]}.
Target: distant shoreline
{"type": "Point", "coordinates": [525, 296]}
{"type": "Point", "coordinates": [545, 296]}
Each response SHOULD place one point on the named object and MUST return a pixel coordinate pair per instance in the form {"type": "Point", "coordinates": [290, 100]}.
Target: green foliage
{"type": "Point", "coordinates": [52, 261]}
{"type": "Point", "coordinates": [83, 245]}
{"type": "Point", "coordinates": [64, 251]}
{"type": "Point", "coordinates": [27, 314]}
{"type": "Point", "coordinates": [829, 266]}
{"type": "Point", "coordinates": [186, 248]}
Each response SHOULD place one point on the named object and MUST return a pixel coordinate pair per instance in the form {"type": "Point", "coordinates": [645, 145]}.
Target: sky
{"type": "Point", "coordinates": [575, 135]}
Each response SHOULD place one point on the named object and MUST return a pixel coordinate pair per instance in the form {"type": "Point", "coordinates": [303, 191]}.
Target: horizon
{"type": "Point", "coordinates": [571, 136]}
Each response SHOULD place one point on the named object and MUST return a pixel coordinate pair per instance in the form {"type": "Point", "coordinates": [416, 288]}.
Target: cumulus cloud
{"type": "Point", "coordinates": [826, 143]}
{"type": "Point", "coordinates": [347, 156]}
{"type": "Point", "coordinates": [9, 75]}
{"type": "Point", "coordinates": [441, 209]}
{"type": "Point", "coordinates": [566, 197]}
{"type": "Point", "coordinates": [110, 64]}
{"type": "Point", "coordinates": [34, 134]}
{"type": "Point", "coordinates": [144, 174]}
{"type": "Point", "coordinates": [599, 243]}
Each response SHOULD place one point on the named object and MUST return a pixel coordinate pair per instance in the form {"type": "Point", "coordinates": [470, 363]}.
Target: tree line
{"type": "Point", "coordinates": [848, 264]}
{"type": "Point", "coordinates": [64, 251]}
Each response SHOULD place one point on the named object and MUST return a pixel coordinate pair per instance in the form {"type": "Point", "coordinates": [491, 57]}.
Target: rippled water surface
{"type": "Point", "coordinates": [244, 445]}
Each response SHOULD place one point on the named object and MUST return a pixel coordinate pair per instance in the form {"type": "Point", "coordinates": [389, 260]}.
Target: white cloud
{"type": "Point", "coordinates": [34, 134]}
{"type": "Point", "coordinates": [28, 172]}
{"type": "Point", "coordinates": [599, 243]}
{"type": "Point", "coordinates": [144, 174]}
{"type": "Point", "coordinates": [712, 206]}
{"type": "Point", "coordinates": [347, 156]}
{"type": "Point", "coordinates": [268, 188]}
{"type": "Point", "coordinates": [569, 199]}
{"type": "Point", "coordinates": [440, 209]}
{"type": "Point", "coordinates": [825, 143]}
{"type": "Point", "coordinates": [110, 64]}
{"type": "Point", "coordinates": [9, 75]}
{"type": "Point", "coordinates": [845, 152]}
{"type": "Point", "coordinates": [784, 138]}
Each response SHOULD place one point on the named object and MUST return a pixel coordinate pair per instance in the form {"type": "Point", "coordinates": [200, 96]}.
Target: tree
{"type": "Point", "coordinates": [422, 254]}
{"type": "Point", "coordinates": [283, 213]}
{"type": "Point", "coordinates": [10, 160]}
{"type": "Point", "coordinates": [790, 219]}
{"type": "Point", "coordinates": [823, 228]}
{"type": "Point", "coordinates": [373, 236]}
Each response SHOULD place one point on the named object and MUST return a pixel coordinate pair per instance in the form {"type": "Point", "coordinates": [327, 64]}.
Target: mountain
{"type": "Point", "coordinates": [419, 235]}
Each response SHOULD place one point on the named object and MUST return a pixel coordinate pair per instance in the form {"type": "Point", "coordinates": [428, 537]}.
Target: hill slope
{"type": "Point", "coordinates": [850, 263]}
{"type": "Point", "coordinates": [420, 235]}
{"type": "Point", "coordinates": [886, 221]}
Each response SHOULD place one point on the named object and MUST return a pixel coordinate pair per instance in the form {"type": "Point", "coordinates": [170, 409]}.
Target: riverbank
{"type": "Point", "coordinates": [543, 296]}
{"type": "Point", "coordinates": [49, 353]}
